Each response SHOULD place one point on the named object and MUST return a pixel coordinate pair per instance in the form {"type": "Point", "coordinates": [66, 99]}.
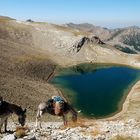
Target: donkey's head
{"type": "Point", "coordinates": [22, 117]}
{"type": "Point", "coordinates": [59, 107]}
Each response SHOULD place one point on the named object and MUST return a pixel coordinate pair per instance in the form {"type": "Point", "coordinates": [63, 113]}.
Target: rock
{"type": "Point", "coordinates": [9, 137]}
{"type": "Point", "coordinates": [29, 20]}
{"type": "Point", "coordinates": [30, 138]}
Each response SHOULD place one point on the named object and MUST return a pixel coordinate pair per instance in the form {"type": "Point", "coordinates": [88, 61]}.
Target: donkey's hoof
{"type": "Point", "coordinates": [9, 131]}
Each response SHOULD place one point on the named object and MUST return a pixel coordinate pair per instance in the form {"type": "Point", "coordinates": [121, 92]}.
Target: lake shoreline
{"type": "Point", "coordinates": [123, 107]}
{"type": "Point", "coordinates": [115, 115]}
{"type": "Point", "coordinates": [125, 104]}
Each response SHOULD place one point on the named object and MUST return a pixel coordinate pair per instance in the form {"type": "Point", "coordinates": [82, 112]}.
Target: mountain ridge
{"type": "Point", "coordinates": [115, 37]}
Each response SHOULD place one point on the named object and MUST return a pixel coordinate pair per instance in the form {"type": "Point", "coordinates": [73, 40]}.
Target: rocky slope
{"type": "Point", "coordinates": [127, 40]}
{"type": "Point", "coordinates": [23, 70]}
{"type": "Point", "coordinates": [97, 130]}
{"type": "Point", "coordinates": [61, 43]}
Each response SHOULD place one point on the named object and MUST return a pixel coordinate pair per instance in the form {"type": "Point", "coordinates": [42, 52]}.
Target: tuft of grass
{"type": "Point", "coordinates": [72, 124]}
{"type": "Point", "coordinates": [77, 124]}
{"type": "Point", "coordinates": [21, 132]}
{"type": "Point", "coordinates": [96, 132]}
{"type": "Point", "coordinates": [118, 137]}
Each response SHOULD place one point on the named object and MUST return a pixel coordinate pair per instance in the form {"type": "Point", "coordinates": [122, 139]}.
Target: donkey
{"type": "Point", "coordinates": [6, 110]}
{"type": "Point", "coordinates": [55, 108]}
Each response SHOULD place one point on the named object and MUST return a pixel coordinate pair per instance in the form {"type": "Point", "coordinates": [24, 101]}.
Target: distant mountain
{"type": "Point", "coordinates": [6, 18]}
{"type": "Point", "coordinates": [127, 40]}
{"type": "Point", "coordinates": [103, 33]}
{"type": "Point", "coordinates": [124, 39]}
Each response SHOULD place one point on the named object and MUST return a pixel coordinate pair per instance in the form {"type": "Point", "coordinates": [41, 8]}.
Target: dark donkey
{"type": "Point", "coordinates": [59, 108]}
{"type": "Point", "coordinates": [7, 109]}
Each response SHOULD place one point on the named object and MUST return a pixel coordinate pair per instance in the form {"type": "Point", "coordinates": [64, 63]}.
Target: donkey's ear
{"type": "Point", "coordinates": [24, 110]}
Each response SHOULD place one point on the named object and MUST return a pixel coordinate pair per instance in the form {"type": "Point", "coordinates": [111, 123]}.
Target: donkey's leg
{"type": "Point", "coordinates": [38, 118]}
{"type": "Point", "coordinates": [74, 114]}
{"type": "Point", "coordinates": [74, 117]}
{"type": "Point", "coordinates": [5, 125]}
{"type": "Point", "coordinates": [1, 124]}
{"type": "Point", "coordinates": [65, 120]}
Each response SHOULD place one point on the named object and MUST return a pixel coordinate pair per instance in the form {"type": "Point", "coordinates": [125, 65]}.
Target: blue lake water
{"type": "Point", "coordinates": [98, 91]}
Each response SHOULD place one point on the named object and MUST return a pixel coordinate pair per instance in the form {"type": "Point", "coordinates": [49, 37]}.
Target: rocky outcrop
{"type": "Point", "coordinates": [86, 40]}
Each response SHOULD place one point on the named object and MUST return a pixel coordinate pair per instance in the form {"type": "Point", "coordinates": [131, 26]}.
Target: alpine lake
{"type": "Point", "coordinates": [96, 90]}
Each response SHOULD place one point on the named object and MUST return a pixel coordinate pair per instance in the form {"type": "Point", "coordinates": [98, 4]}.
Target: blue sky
{"type": "Point", "coordinates": [107, 13]}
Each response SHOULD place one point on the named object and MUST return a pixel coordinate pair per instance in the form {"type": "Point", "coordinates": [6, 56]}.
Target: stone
{"type": "Point", "coordinates": [9, 137]}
